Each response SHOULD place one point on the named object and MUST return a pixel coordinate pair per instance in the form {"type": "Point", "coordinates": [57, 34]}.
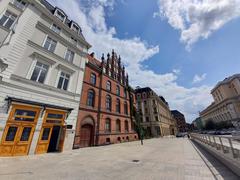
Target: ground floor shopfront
{"type": "Point", "coordinates": [33, 128]}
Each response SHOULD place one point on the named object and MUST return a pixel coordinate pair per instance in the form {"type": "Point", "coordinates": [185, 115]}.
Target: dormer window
{"type": "Point", "coordinates": [20, 4]}
{"type": "Point", "coordinates": [75, 27]}
{"type": "Point", "coordinates": [60, 15]}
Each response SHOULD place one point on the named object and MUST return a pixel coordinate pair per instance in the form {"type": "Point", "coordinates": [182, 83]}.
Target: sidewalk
{"type": "Point", "coordinates": [163, 158]}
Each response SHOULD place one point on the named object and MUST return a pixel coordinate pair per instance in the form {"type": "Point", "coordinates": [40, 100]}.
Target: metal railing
{"type": "Point", "coordinates": [227, 146]}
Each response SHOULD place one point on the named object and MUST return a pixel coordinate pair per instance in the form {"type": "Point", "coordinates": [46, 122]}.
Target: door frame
{"type": "Point", "coordinates": [20, 124]}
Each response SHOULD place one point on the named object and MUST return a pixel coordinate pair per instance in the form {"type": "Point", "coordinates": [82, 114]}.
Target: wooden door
{"type": "Point", "coordinates": [86, 135]}
{"type": "Point", "coordinates": [16, 139]}
{"type": "Point", "coordinates": [44, 139]}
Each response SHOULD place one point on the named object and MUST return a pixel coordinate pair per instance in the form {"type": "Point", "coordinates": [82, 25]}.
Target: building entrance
{"type": "Point", "coordinates": [53, 144]}
{"type": "Point", "coordinates": [19, 130]}
{"type": "Point", "coordinates": [52, 135]}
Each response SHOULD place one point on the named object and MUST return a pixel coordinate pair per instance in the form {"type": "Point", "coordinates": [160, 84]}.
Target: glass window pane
{"type": "Point", "coordinates": [3, 20]}
{"type": "Point", "coordinates": [45, 134]}
{"type": "Point", "coordinates": [65, 85]}
{"type": "Point", "coordinates": [55, 116]}
{"type": "Point", "coordinates": [9, 23]}
{"type": "Point", "coordinates": [12, 131]}
{"type": "Point", "coordinates": [60, 82]}
{"type": "Point", "coordinates": [26, 134]}
{"type": "Point", "coordinates": [20, 115]}
{"type": "Point", "coordinates": [35, 74]}
{"type": "Point", "coordinates": [42, 76]}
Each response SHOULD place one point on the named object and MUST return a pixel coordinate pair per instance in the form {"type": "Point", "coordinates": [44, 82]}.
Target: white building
{"type": "Point", "coordinates": [42, 59]}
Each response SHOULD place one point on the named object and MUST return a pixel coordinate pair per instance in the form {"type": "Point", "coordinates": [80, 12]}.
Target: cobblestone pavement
{"type": "Point", "coordinates": [157, 159]}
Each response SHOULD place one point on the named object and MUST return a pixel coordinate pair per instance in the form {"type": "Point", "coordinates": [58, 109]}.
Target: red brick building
{"type": "Point", "coordinates": [180, 119]}
{"type": "Point", "coordinates": [104, 111]}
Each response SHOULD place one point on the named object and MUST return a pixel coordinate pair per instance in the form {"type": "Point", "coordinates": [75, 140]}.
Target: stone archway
{"type": "Point", "coordinates": [87, 132]}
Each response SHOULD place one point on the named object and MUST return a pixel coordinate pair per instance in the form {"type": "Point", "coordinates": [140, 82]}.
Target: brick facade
{"type": "Point", "coordinates": [96, 113]}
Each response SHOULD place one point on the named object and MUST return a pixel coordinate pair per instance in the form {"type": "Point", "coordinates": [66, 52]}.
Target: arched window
{"type": "Point", "coordinates": [125, 93]}
{"type": "Point", "coordinates": [108, 86]}
{"type": "Point", "coordinates": [118, 125]}
{"type": "Point", "coordinates": [125, 108]}
{"type": "Point", "coordinates": [126, 126]}
{"type": "Point", "coordinates": [108, 103]}
{"type": "Point", "coordinates": [91, 98]}
{"type": "Point", "coordinates": [108, 125]}
{"type": "Point", "coordinates": [93, 79]}
{"type": "Point", "coordinates": [118, 106]}
{"type": "Point", "coordinates": [118, 90]}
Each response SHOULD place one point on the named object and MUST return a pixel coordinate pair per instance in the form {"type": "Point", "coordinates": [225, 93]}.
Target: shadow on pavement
{"type": "Point", "coordinates": [214, 165]}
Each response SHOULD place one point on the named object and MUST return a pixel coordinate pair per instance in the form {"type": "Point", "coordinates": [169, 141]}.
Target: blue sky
{"type": "Point", "coordinates": [179, 51]}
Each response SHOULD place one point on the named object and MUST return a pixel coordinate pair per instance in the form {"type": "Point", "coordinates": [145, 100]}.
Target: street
{"type": "Point", "coordinates": [162, 158]}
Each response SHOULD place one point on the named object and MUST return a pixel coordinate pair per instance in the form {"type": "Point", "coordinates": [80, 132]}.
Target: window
{"type": "Point", "coordinates": [69, 56]}
{"type": "Point", "coordinates": [50, 44]}
{"type": "Point", "coordinates": [20, 4]}
{"type": "Point", "coordinates": [125, 108]}
{"type": "Point", "coordinates": [24, 115]}
{"type": "Point", "coordinates": [147, 119]}
{"type": "Point", "coordinates": [145, 102]}
{"type": "Point", "coordinates": [45, 134]}
{"type": "Point", "coordinates": [75, 28]}
{"type": "Point", "coordinates": [7, 20]}
{"type": "Point", "coordinates": [60, 15]}
{"type": "Point", "coordinates": [146, 110]}
{"type": "Point", "coordinates": [108, 86]}
{"type": "Point", "coordinates": [154, 102]}
{"type": "Point", "coordinates": [40, 72]}
{"type": "Point", "coordinates": [118, 125]}
{"type": "Point", "coordinates": [126, 126]}
{"type": "Point", "coordinates": [93, 79]}
{"type": "Point", "coordinates": [73, 40]}
{"type": "Point", "coordinates": [118, 90]}
{"type": "Point", "coordinates": [63, 81]}
{"type": "Point", "coordinates": [155, 110]}
{"type": "Point", "coordinates": [90, 98]}
{"type": "Point", "coordinates": [118, 109]}
{"type": "Point", "coordinates": [108, 125]}
{"type": "Point", "coordinates": [108, 103]}
{"type": "Point", "coordinates": [125, 93]}
{"type": "Point", "coordinates": [56, 28]}
{"type": "Point", "coordinates": [156, 118]}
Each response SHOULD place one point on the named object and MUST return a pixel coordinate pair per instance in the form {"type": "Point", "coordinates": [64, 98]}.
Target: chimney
{"type": "Point", "coordinates": [92, 54]}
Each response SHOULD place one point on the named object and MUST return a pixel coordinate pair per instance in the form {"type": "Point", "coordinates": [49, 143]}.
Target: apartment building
{"type": "Point", "coordinates": [226, 104]}
{"type": "Point", "coordinates": [42, 57]}
{"type": "Point", "coordinates": [104, 114]}
{"type": "Point", "coordinates": [180, 120]}
{"type": "Point", "coordinates": [156, 117]}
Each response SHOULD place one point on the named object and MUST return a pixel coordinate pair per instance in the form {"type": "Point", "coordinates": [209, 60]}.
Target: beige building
{"type": "Point", "coordinates": [156, 117]}
{"type": "Point", "coordinates": [226, 105]}
{"type": "Point", "coordinates": [42, 58]}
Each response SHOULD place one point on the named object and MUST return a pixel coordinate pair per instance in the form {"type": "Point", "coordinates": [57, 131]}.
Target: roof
{"type": "Point", "coordinates": [67, 22]}
{"type": "Point", "coordinates": [225, 81]}
{"type": "Point", "coordinates": [176, 112]}
{"type": "Point", "coordinates": [94, 61]}
{"type": "Point", "coordinates": [141, 90]}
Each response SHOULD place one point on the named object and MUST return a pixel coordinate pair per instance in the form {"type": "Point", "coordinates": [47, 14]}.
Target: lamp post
{"type": "Point", "coordinates": [137, 116]}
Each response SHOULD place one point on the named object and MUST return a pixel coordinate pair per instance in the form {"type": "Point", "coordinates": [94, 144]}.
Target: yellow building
{"type": "Point", "coordinates": [156, 117]}
{"type": "Point", "coordinates": [226, 105]}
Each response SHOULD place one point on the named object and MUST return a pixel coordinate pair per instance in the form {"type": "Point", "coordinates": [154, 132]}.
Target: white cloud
{"type": "Point", "coordinates": [198, 19]}
{"type": "Point", "coordinates": [176, 71]}
{"type": "Point", "coordinates": [198, 78]}
{"type": "Point", "coordinates": [133, 51]}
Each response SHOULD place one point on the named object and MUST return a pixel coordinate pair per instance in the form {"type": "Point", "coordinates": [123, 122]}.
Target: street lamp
{"type": "Point", "coordinates": [137, 116]}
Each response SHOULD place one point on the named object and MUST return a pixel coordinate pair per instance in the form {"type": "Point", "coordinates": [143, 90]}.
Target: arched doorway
{"type": "Point", "coordinates": [86, 132]}
{"type": "Point", "coordinates": [86, 135]}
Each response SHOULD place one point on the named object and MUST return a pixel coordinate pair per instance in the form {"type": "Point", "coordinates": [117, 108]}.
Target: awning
{"type": "Point", "coordinates": [44, 105]}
